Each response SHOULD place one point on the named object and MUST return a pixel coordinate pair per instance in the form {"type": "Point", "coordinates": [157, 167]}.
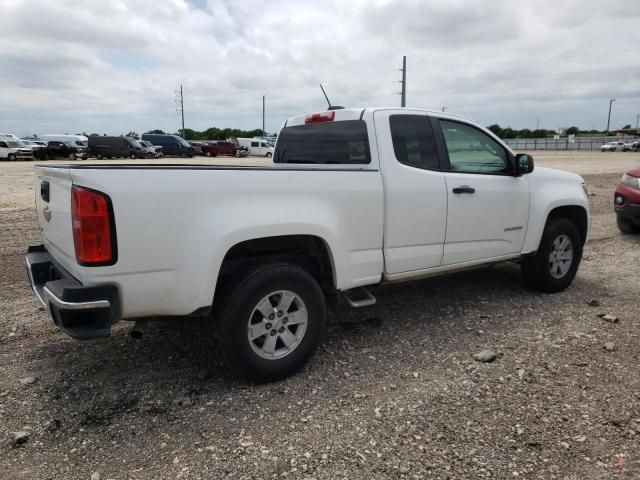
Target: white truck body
{"type": "Point", "coordinates": [379, 221]}
{"type": "Point", "coordinates": [76, 140]}
{"type": "Point", "coordinates": [257, 146]}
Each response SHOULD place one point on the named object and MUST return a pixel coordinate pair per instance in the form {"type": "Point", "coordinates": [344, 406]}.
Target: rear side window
{"type": "Point", "coordinates": [344, 143]}
{"type": "Point", "coordinates": [413, 141]}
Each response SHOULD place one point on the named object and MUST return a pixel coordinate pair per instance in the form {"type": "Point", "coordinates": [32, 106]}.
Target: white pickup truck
{"type": "Point", "coordinates": [354, 197]}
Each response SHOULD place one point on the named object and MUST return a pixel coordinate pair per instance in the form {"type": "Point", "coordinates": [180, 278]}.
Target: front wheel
{"type": "Point", "coordinates": [626, 226]}
{"type": "Point", "coordinates": [72, 156]}
{"type": "Point", "coordinates": [208, 153]}
{"type": "Point", "coordinates": [11, 157]}
{"type": "Point", "coordinates": [556, 262]}
{"type": "Point", "coordinates": [268, 154]}
{"type": "Point", "coordinates": [270, 321]}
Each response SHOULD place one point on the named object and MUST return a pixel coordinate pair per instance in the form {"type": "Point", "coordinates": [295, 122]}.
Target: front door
{"type": "Point", "coordinates": [488, 206]}
{"type": "Point", "coordinates": [415, 196]}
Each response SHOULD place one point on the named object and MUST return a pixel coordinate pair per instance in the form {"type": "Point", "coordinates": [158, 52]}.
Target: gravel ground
{"type": "Point", "coordinates": [395, 391]}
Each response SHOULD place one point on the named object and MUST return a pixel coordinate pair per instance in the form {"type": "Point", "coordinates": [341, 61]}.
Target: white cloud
{"type": "Point", "coordinates": [113, 66]}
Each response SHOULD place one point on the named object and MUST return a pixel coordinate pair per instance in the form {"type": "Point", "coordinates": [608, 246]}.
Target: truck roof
{"type": "Point", "coordinates": [358, 113]}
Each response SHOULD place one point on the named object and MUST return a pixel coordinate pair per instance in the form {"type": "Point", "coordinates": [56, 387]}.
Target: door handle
{"type": "Point", "coordinates": [464, 189]}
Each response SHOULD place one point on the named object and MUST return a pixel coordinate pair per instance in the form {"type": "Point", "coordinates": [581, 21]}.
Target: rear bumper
{"type": "Point", "coordinates": [82, 312]}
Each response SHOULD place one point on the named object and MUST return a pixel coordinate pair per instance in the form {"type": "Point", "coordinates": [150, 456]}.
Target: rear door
{"type": "Point", "coordinates": [488, 207]}
{"type": "Point", "coordinates": [415, 201]}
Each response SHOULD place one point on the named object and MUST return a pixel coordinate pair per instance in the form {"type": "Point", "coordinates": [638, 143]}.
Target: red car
{"type": "Point", "coordinates": [212, 149]}
{"type": "Point", "coordinates": [626, 202]}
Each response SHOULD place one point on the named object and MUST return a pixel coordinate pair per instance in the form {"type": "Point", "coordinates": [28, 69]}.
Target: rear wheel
{"type": "Point", "coordinates": [626, 226]}
{"type": "Point", "coordinates": [555, 265]}
{"type": "Point", "coordinates": [208, 153]}
{"type": "Point", "coordinates": [99, 156]}
{"type": "Point", "coordinates": [270, 321]}
{"type": "Point", "coordinates": [72, 156]}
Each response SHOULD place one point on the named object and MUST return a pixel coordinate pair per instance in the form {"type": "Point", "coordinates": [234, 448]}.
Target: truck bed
{"type": "Point", "coordinates": [175, 222]}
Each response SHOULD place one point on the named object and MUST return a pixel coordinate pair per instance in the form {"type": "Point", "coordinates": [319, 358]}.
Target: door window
{"type": "Point", "coordinates": [254, 144]}
{"type": "Point", "coordinates": [413, 141]}
{"type": "Point", "coordinates": [473, 151]}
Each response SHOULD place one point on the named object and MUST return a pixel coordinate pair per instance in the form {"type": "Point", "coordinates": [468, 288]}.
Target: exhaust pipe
{"type": "Point", "coordinates": [138, 329]}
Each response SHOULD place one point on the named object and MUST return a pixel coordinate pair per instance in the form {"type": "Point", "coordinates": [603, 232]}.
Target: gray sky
{"type": "Point", "coordinates": [113, 66]}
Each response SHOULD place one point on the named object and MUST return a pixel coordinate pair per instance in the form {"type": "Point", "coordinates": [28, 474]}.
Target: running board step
{"type": "Point", "coordinates": [359, 297]}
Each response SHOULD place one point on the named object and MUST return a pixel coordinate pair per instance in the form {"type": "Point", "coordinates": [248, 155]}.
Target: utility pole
{"type": "Point", "coordinates": [403, 98]}
{"type": "Point", "coordinates": [443, 109]}
{"type": "Point", "coordinates": [263, 131]}
{"type": "Point", "coordinates": [181, 109]}
{"type": "Point", "coordinates": [637, 120]}
{"type": "Point", "coordinates": [537, 123]}
{"type": "Point", "coordinates": [609, 117]}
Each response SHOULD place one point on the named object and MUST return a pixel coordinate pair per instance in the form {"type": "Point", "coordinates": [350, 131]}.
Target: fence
{"type": "Point", "coordinates": [579, 143]}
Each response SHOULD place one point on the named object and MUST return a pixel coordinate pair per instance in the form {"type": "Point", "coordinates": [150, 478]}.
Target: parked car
{"type": "Point", "coordinates": [39, 150]}
{"type": "Point", "coordinates": [153, 150]}
{"type": "Point", "coordinates": [262, 250]}
{"type": "Point", "coordinates": [626, 202]}
{"type": "Point", "coordinates": [197, 147]}
{"type": "Point", "coordinates": [612, 147]}
{"type": "Point", "coordinates": [256, 146]}
{"type": "Point", "coordinates": [224, 147]}
{"type": "Point", "coordinates": [171, 144]}
{"type": "Point", "coordinates": [631, 145]}
{"type": "Point", "coordinates": [68, 149]}
{"type": "Point", "coordinates": [116, 147]}
{"type": "Point", "coordinates": [11, 149]}
{"type": "Point", "coordinates": [75, 140]}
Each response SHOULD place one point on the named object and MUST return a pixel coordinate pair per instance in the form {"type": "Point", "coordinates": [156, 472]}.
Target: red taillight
{"type": "Point", "coordinates": [93, 232]}
{"type": "Point", "coordinates": [320, 117]}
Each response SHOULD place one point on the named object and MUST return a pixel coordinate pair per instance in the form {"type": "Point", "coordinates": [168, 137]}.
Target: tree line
{"type": "Point", "coordinates": [508, 132]}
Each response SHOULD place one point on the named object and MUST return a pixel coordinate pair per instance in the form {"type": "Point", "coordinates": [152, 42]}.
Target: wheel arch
{"type": "Point", "coordinates": [310, 252]}
{"type": "Point", "coordinates": [576, 213]}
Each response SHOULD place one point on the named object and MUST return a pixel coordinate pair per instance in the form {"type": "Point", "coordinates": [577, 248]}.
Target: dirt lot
{"type": "Point", "coordinates": [393, 393]}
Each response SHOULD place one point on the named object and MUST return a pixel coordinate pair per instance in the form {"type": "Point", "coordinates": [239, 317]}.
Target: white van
{"type": "Point", "coordinates": [257, 146]}
{"type": "Point", "coordinates": [11, 148]}
{"type": "Point", "coordinates": [76, 140]}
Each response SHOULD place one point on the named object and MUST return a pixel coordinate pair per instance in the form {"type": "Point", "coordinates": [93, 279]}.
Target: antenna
{"type": "Point", "coordinates": [331, 107]}
{"type": "Point", "coordinates": [325, 95]}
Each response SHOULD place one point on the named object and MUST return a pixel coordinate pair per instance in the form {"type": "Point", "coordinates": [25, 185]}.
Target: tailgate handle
{"type": "Point", "coordinates": [44, 191]}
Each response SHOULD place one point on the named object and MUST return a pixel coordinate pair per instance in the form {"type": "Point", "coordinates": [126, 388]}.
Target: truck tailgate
{"type": "Point", "coordinates": [53, 208]}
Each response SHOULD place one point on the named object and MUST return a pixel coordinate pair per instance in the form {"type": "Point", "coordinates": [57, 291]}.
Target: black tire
{"type": "Point", "coordinates": [237, 154]}
{"type": "Point", "coordinates": [233, 311]}
{"type": "Point", "coordinates": [11, 157]}
{"type": "Point", "coordinates": [99, 156]}
{"type": "Point", "coordinates": [208, 153]}
{"type": "Point", "coordinates": [537, 268]}
{"type": "Point", "coordinates": [72, 156]}
{"type": "Point", "coordinates": [132, 156]}
{"type": "Point", "coordinates": [268, 154]}
{"type": "Point", "coordinates": [626, 226]}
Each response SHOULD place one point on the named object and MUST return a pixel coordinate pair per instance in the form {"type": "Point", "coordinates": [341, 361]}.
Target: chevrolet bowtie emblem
{"type": "Point", "coordinates": [46, 213]}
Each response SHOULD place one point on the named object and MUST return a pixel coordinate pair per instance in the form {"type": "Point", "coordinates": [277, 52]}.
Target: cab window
{"type": "Point", "coordinates": [473, 151]}
{"type": "Point", "coordinates": [413, 142]}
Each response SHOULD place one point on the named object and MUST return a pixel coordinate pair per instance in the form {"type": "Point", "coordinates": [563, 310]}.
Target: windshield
{"type": "Point", "coordinates": [136, 143]}
{"type": "Point", "coordinates": [80, 143]}
{"type": "Point", "coordinates": [183, 142]}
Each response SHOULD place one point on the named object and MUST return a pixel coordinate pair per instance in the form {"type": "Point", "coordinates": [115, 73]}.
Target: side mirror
{"type": "Point", "coordinates": [524, 164]}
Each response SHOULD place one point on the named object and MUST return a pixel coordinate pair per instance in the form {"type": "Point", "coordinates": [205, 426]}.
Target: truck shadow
{"type": "Point", "coordinates": [175, 364]}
